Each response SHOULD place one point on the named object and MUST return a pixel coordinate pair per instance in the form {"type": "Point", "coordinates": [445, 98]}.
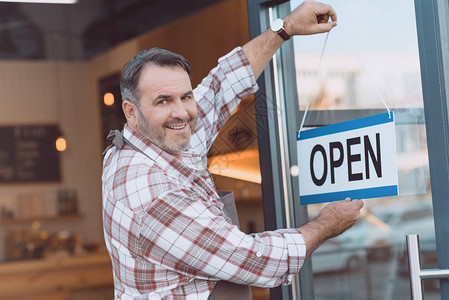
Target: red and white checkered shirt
{"type": "Point", "coordinates": [164, 227]}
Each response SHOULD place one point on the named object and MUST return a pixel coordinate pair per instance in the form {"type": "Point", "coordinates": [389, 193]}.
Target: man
{"type": "Point", "coordinates": [165, 226]}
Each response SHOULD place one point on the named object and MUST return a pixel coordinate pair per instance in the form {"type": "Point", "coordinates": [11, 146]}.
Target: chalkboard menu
{"type": "Point", "coordinates": [28, 153]}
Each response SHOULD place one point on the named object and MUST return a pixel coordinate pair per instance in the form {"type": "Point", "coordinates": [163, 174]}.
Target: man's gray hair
{"type": "Point", "coordinates": [129, 80]}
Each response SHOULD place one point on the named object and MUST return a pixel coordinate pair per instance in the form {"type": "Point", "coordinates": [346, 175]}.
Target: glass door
{"type": "Point", "coordinates": [365, 65]}
{"type": "Point", "coordinates": [371, 59]}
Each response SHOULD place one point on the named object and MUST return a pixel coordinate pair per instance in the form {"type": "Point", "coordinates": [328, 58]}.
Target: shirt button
{"type": "Point", "coordinates": [258, 254]}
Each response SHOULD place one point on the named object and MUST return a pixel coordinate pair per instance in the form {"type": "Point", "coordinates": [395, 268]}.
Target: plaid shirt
{"type": "Point", "coordinates": [164, 227]}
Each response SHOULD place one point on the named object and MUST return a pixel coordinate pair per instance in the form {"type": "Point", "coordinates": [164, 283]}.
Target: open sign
{"type": "Point", "coordinates": [355, 159]}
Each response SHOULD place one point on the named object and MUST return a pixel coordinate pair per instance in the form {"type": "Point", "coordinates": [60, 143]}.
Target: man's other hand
{"type": "Point", "coordinates": [309, 18]}
{"type": "Point", "coordinates": [341, 215]}
{"type": "Point", "coordinates": [334, 219]}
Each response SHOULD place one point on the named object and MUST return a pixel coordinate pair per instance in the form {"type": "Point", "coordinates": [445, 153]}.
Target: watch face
{"type": "Point", "coordinates": [277, 24]}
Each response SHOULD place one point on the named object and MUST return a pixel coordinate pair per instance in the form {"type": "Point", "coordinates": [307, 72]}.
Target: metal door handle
{"type": "Point", "coordinates": [416, 274]}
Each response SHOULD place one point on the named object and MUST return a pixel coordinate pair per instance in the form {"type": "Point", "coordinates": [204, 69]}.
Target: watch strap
{"type": "Point", "coordinates": [284, 35]}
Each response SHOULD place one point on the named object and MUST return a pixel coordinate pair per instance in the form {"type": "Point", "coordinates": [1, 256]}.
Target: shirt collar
{"type": "Point", "coordinates": [163, 159]}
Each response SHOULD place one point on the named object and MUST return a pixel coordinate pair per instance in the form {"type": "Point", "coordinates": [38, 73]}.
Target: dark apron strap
{"type": "Point", "coordinates": [227, 198]}
{"type": "Point", "coordinates": [118, 140]}
{"type": "Point", "coordinates": [225, 290]}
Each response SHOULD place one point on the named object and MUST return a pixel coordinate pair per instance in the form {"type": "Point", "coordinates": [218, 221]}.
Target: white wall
{"type": "Point", "coordinates": [33, 93]}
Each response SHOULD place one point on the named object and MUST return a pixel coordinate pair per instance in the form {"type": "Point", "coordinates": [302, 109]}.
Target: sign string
{"type": "Point", "coordinates": [310, 96]}
{"type": "Point", "coordinates": [375, 87]}
{"type": "Point", "coordinates": [318, 72]}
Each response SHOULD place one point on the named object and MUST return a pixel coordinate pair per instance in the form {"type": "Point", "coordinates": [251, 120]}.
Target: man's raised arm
{"type": "Point", "coordinates": [309, 18]}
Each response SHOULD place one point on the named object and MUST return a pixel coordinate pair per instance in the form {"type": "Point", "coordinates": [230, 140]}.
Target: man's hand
{"type": "Point", "coordinates": [341, 215]}
{"type": "Point", "coordinates": [309, 18]}
{"type": "Point", "coordinates": [334, 219]}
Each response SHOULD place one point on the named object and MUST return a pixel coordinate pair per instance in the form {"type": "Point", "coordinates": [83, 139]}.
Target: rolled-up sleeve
{"type": "Point", "coordinates": [296, 246]}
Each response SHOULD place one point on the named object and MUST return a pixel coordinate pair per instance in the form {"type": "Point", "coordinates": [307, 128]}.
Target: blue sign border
{"type": "Point", "coordinates": [346, 126]}
{"type": "Point", "coordinates": [383, 191]}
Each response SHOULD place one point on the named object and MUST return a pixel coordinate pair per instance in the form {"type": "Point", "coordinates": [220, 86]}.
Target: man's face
{"type": "Point", "coordinates": [167, 112]}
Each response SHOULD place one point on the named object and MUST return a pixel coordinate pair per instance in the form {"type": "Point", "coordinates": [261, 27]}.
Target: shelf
{"type": "Point", "coordinates": [41, 219]}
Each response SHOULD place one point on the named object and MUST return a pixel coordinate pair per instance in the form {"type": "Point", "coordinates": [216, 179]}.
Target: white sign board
{"type": "Point", "coordinates": [355, 159]}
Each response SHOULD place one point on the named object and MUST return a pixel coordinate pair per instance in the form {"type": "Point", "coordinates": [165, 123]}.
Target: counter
{"type": "Point", "coordinates": [55, 278]}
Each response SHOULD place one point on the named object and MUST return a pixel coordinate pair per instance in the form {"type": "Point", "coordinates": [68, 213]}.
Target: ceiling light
{"type": "Point", "coordinates": [108, 99]}
{"type": "Point", "coordinates": [61, 144]}
{"type": "Point", "coordinates": [43, 1]}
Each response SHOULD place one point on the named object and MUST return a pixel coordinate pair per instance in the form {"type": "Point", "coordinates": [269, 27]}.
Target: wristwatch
{"type": "Point", "coordinates": [278, 27]}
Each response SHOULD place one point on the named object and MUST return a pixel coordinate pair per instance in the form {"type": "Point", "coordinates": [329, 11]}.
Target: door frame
{"type": "Point", "coordinates": [432, 21]}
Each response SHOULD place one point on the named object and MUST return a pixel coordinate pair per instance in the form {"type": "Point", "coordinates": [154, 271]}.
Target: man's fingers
{"type": "Point", "coordinates": [311, 17]}
{"type": "Point", "coordinates": [326, 10]}
{"type": "Point", "coordinates": [358, 203]}
{"type": "Point", "coordinates": [323, 19]}
{"type": "Point", "coordinates": [325, 27]}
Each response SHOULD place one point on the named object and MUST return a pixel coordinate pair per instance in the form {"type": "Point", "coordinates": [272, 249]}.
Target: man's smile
{"type": "Point", "coordinates": [177, 127]}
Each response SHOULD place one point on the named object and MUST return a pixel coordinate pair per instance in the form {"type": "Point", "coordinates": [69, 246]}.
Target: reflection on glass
{"type": "Point", "coordinates": [368, 54]}
{"type": "Point", "coordinates": [369, 57]}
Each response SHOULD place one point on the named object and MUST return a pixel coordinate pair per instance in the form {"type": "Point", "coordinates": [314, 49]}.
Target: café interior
{"type": "Point", "coordinates": [60, 66]}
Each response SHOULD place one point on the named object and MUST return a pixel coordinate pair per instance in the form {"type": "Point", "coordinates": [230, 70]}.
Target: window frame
{"type": "Point", "coordinates": [432, 19]}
